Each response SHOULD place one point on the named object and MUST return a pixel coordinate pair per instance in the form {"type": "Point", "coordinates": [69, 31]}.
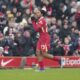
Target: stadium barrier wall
{"type": "Point", "coordinates": [18, 62]}
{"type": "Point", "coordinates": [72, 61]}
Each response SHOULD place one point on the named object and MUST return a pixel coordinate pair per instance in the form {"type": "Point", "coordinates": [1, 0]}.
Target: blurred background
{"type": "Point", "coordinates": [18, 38]}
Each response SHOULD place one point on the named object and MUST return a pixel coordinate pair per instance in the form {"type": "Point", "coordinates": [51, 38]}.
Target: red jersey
{"type": "Point", "coordinates": [41, 27]}
{"type": "Point", "coordinates": [43, 43]}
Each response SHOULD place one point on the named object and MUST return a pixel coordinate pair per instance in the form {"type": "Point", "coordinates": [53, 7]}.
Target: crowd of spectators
{"type": "Point", "coordinates": [18, 38]}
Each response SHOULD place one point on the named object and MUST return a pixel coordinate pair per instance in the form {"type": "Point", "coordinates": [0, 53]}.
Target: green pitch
{"type": "Point", "coordinates": [49, 74]}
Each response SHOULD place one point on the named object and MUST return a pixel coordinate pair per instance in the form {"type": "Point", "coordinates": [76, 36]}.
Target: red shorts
{"type": "Point", "coordinates": [43, 44]}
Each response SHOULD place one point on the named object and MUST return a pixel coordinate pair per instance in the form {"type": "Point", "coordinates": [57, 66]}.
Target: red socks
{"type": "Point", "coordinates": [41, 65]}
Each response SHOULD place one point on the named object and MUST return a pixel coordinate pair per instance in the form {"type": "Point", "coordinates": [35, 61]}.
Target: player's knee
{"type": "Point", "coordinates": [38, 53]}
{"type": "Point", "coordinates": [44, 53]}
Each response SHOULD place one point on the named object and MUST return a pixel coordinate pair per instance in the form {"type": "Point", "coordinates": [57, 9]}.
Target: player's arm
{"type": "Point", "coordinates": [35, 26]}
{"type": "Point", "coordinates": [38, 25]}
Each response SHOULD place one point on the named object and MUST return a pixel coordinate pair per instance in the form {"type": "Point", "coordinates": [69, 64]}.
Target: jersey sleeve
{"type": "Point", "coordinates": [36, 28]}
{"type": "Point", "coordinates": [39, 25]}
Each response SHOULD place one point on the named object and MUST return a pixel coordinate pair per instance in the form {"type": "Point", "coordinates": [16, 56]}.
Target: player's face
{"type": "Point", "coordinates": [38, 14]}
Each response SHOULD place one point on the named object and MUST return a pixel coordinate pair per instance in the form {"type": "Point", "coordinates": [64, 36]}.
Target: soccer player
{"type": "Point", "coordinates": [43, 43]}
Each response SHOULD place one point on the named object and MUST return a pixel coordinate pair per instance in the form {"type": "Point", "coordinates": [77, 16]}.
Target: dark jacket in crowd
{"type": "Point", "coordinates": [24, 45]}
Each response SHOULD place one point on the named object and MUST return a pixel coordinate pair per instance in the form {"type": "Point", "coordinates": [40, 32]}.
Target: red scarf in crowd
{"type": "Point", "coordinates": [16, 1]}
{"type": "Point", "coordinates": [31, 6]}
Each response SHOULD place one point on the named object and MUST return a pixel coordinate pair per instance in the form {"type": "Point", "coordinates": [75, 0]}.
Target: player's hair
{"type": "Point", "coordinates": [43, 12]}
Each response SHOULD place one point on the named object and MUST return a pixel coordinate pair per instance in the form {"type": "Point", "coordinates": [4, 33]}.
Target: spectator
{"type": "Point", "coordinates": [64, 31]}
{"type": "Point", "coordinates": [3, 21]}
{"type": "Point", "coordinates": [1, 40]}
{"type": "Point", "coordinates": [66, 46]}
{"type": "Point", "coordinates": [18, 17]}
{"type": "Point", "coordinates": [24, 44]}
{"type": "Point", "coordinates": [77, 17]}
{"type": "Point", "coordinates": [56, 45]}
{"type": "Point", "coordinates": [1, 51]}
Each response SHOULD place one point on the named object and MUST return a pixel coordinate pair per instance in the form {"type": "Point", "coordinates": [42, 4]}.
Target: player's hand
{"type": "Point", "coordinates": [33, 18]}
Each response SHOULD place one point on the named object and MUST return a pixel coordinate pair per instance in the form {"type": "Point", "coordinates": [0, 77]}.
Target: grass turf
{"type": "Point", "coordinates": [49, 74]}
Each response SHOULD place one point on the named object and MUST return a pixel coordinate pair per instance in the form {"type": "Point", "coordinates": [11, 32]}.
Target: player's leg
{"type": "Point", "coordinates": [40, 59]}
{"type": "Point", "coordinates": [39, 56]}
{"type": "Point", "coordinates": [47, 55]}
